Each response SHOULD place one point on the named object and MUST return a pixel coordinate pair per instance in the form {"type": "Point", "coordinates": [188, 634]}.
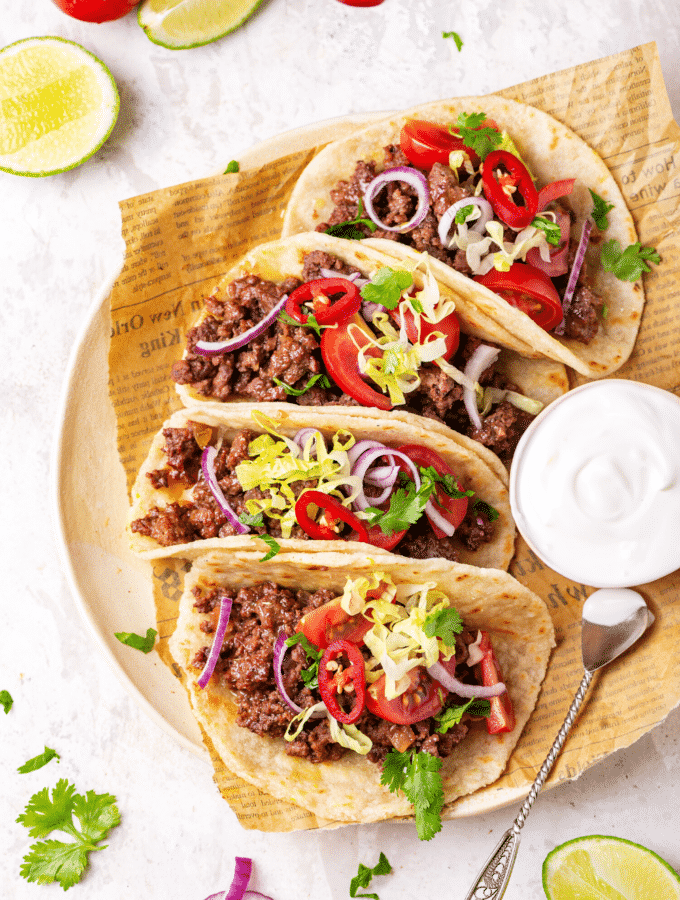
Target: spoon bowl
{"type": "Point", "coordinates": [613, 619]}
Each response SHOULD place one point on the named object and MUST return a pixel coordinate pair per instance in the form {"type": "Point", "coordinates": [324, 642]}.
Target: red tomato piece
{"type": "Point", "coordinates": [423, 698]}
{"type": "Point", "coordinates": [96, 10]}
{"type": "Point", "coordinates": [502, 716]}
{"type": "Point", "coordinates": [342, 675]}
{"type": "Point", "coordinates": [504, 205]}
{"type": "Point", "coordinates": [361, 2]}
{"type": "Point", "coordinates": [426, 143]}
{"type": "Point", "coordinates": [340, 357]}
{"type": "Point", "coordinates": [449, 327]}
{"type": "Point", "coordinates": [330, 622]}
{"type": "Point", "coordinates": [454, 509]}
{"type": "Point", "coordinates": [378, 538]}
{"type": "Point", "coordinates": [528, 289]}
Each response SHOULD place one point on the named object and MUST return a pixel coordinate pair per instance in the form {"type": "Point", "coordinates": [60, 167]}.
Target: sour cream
{"type": "Point", "coordinates": [595, 484]}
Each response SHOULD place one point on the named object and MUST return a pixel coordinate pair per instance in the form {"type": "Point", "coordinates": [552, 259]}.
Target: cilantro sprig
{"type": "Point", "coordinates": [453, 715]}
{"type": "Point", "coordinates": [386, 287]}
{"type": "Point", "coordinates": [365, 875]}
{"type": "Point", "coordinates": [37, 762]}
{"type": "Point", "coordinates": [349, 230]}
{"type": "Point", "coordinates": [628, 264]}
{"type": "Point", "coordinates": [298, 392]}
{"type": "Point", "coordinates": [600, 210]}
{"type": "Point", "coordinates": [417, 775]}
{"type": "Point", "coordinates": [550, 229]}
{"type": "Point", "coordinates": [138, 641]}
{"type": "Point", "coordinates": [310, 323]}
{"type": "Point", "coordinates": [406, 506]}
{"type": "Point", "coordinates": [272, 543]}
{"type": "Point", "coordinates": [232, 166]}
{"type": "Point", "coordinates": [480, 139]}
{"type": "Point", "coordinates": [444, 624]}
{"type": "Point", "coordinates": [310, 675]}
{"type": "Point", "coordinates": [64, 862]}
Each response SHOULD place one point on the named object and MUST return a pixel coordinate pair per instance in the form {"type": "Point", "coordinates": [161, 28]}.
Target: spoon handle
{"type": "Point", "coordinates": [495, 875]}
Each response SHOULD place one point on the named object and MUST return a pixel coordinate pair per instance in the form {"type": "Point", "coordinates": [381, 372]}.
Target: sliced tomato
{"type": "Point", "coordinates": [453, 509]}
{"type": "Point", "coordinates": [340, 357]}
{"type": "Point", "coordinates": [330, 622]}
{"type": "Point", "coordinates": [528, 289]}
{"type": "Point", "coordinates": [426, 143]}
{"type": "Point", "coordinates": [378, 538]}
{"type": "Point", "coordinates": [423, 698]}
{"type": "Point", "coordinates": [502, 716]}
{"type": "Point", "coordinates": [449, 327]}
{"type": "Point", "coordinates": [554, 190]}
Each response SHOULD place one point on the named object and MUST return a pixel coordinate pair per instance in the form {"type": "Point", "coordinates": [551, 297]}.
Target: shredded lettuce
{"type": "Point", "coordinates": [297, 723]}
{"type": "Point", "coordinates": [349, 736]}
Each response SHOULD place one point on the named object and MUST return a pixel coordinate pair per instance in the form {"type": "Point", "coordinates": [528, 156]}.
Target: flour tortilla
{"type": "Point", "coordinates": [469, 466]}
{"type": "Point", "coordinates": [349, 790]}
{"type": "Point", "coordinates": [552, 152]}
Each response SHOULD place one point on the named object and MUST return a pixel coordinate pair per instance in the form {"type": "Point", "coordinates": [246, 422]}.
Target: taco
{"type": "Point", "coordinates": [265, 648]}
{"type": "Point", "coordinates": [498, 193]}
{"type": "Point", "coordinates": [318, 321]}
{"type": "Point", "coordinates": [219, 476]}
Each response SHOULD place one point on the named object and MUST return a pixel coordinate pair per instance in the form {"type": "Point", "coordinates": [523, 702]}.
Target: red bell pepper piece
{"type": "Point", "coordinates": [502, 716]}
{"type": "Point", "coordinates": [334, 510]}
{"type": "Point", "coordinates": [503, 205]}
{"type": "Point", "coordinates": [325, 310]}
{"type": "Point", "coordinates": [334, 677]}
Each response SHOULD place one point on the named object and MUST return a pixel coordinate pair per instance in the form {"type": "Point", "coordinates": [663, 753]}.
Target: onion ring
{"type": "Point", "coordinates": [446, 220]}
{"type": "Point", "coordinates": [480, 360]}
{"type": "Point", "coordinates": [414, 179]}
{"type": "Point", "coordinates": [440, 674]}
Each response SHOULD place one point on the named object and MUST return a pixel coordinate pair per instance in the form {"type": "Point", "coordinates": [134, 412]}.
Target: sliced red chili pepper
{"type": "Point", "coordinates": [502, 716]}
{"type": "Point", "coordinates": [335, 677]}
{"type": "Point", "coordinates": [334, 511]}
{"type": "Point", "coordinates": [341, 358]}
{"type": "Point", "coordinates": [504, 206]}
{"type": "Point", "coordinates": [325, 310]}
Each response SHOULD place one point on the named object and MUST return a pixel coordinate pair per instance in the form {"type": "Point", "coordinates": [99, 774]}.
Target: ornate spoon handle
{"type": "Point", "coordinates": [495, 875]}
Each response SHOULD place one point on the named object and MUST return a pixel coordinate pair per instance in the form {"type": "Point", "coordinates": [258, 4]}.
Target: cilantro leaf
{"type": "Point", "coordinates": [417, 775]}
{"type": "Point", "coordinates": [406, 507]}
{"type": "Point", "coordinates": [365, 874]}
{"type": "Point", "coordinates": [58, 861]}
{"type": "Point", "coordinates": [233, 166]}
{"type": "Point", "coordinates": [549, 228]}
{"type": "Point", "coordinates": [310, 323]}
{"type": "Point", "coordinates": [137, 641]}
{"type": "Point", "coordinates": [6, 701]}
{"type": "Point", "coordinates": [628, 264]}
{"type": "Point", "coordinates": [600, 210]}
{"type": "Point", "coordinates": [448, 482]}
{"type": "Point", "coordinates": [386, 287]}
{"type": "Point", "coordinates": [37, 762]}
{"type": "Point", "coordinates": [452, 715]}
{"type": "Point", "coordinates": [271, 542]}
{"type": "Point", "coordinates": [297, 392]}
{"type": "Point", "coordinates": [444, 624]}
{"type": "Point", "coordinates": [456, 37]}
{"type": "Point", "coordinates": [310, 675]}
{"type": "Point", "coordinates": [462, 214]}
{"type": "Point", "coordinates": [480, 139]}
{"type": "Point", "coordinates": [349, 230]}
{"type": "Point", "coordinates": [486, 509]}
{"type": "Point", "coordinates": [254, 521]}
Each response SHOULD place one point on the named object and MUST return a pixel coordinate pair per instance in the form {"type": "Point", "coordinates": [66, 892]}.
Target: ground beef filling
{"type": "Point", "coordinates": [397, 203]}
{"type": "Point", "coordinates": [285, 354]}
{"type": "Point", "coordinates": [245, 665]}
{"type": "Point", "coordinates": [201, 517]}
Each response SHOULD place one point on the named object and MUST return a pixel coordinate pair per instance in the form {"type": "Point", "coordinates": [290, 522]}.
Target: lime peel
{"type": "Point", "coordinates": [58, 105]}
{"type": "Point", "coordinates": [183, 24]}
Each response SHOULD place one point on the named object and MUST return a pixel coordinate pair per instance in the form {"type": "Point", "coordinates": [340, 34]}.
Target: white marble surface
{"type": "Point", "coordinates": [183, 115]}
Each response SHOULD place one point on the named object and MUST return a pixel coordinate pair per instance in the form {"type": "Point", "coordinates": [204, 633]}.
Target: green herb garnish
{"type": "Point", "coordinates": [463, 214]}
{"type": "Point", "coordinates": [252, 521]}
{"type": "Point", "coordinates": [486, 509]}
{"type": "Point", "coordinates": [297, 392]}
{"type": "Point", "coordinates": [65, 862]}
{"type": "Point", "coordinates": [6, 701]}
{"type": "Point", "coordinates": [628, 264]}
{"type": "Point", "coordinates": [365, 874]}
{"type": "Point", "coordinates": [310, 675]}
{"type": "Point", "coordinates": [232, 167]}
{"type": "Point", "coordinates": [386, 287]}
{"type": "Point", "coordinates": [272, 543]}
{"type": "Point", "coordinates": [348, 230]}
{"type": "Point", "coordinates": [456, 37]}
{"type": "Point", "coordinates": [481, 140]}
{"type": "Point", "coordinates": [39, 761]}
{"type": "Point", "coordinates": [406, 507]}
{"type": "Point", "coordinates": [417, 775]}
{"type": "Point", "coordinates": [550, 229]}
{"type": "Point", "coordinates": [452, 715]}
{"type": "Point", "coordinates": [600, 210]}
{"type": "Point", "coordinates": [137, 641]}
{"type": "Point", "coordinates": [444, 624]}
{"type": "Point", "coordinates": [310, 323]}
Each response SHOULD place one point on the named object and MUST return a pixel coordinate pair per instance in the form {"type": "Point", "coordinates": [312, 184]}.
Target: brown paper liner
{"type": "Point", "coordinates": [181, 240]}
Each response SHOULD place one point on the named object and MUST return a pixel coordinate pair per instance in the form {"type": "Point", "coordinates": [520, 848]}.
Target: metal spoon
{"type": "Point", "coordinates": [612, 620]}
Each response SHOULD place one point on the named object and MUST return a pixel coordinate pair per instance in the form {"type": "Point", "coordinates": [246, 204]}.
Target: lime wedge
{"type": "Point", "coordinates": [607, 868]}
{"type": "Point", "coordinates": [58, 104]}
{"type": "Point", "coordinates": [181, 24]}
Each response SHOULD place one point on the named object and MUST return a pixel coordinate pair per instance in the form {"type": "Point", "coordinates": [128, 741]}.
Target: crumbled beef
{"type": "Point", "coordinates": [318, 261]}
{"type": "Point", "coordinates": [581, 322]}
{"type": "Point", "coordinates": [502, 429]}
{"type": "Point", "coordinates": [475, 529]}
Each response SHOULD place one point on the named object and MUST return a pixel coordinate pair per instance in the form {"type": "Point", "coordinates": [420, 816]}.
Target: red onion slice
{"type": "Point", "coordinates": [209, 348]}
{"type": "Point", "coordinates": [208, 466]}
{"type": "Point", "coordinates": [357, 449]}
{"type": "Point", "coordinates": [575, 272]}
{"type": "Point", "coordinates": [213, 656]}
{"type": "Point", "coordinates": [303, 435]}
{"type": "Point", "coordinates": [361, 466]}
{"type": "Point", "coordinates": [436, 518]}
{"type": "Point", "coordinates": [239, 884]}
{"type": "Point", "coordinates": [446, 220]}
{"type": "Point", "coordinates": [354, 277]}
{"type": "Point", "coordinates": [414, 179]}
{"type": "Point", "coordinates": [440, 674]}
{"type": "Point", "coordinates": [480, 360]}
{"type": "Point", "coordinates": [279, 652]}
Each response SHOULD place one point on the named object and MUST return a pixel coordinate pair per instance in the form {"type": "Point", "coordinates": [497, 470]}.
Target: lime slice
{"type": "Point", "coordinates": [181, 24]}
{"type": "Point", "coordinates": [607, 868]}
{"type": "Point", "coordinates": [58, 104]}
